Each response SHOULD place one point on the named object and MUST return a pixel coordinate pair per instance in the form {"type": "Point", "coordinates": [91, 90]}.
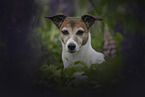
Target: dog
{"type": "Point", "coordinates": [75, 37]}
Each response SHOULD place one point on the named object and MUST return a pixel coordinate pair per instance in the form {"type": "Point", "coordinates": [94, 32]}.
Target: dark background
{"type": "Point", "coordinates": [20, 60]}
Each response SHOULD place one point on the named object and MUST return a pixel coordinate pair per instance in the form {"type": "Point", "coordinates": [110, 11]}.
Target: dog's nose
{"type": "Point", "coordinates": [71, 46]}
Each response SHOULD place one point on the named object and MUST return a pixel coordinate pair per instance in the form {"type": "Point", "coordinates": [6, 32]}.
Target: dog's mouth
{"type": "Point", "coordinates": [71, 51]}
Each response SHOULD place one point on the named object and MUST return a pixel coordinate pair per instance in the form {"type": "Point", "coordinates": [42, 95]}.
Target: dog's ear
{"type": "Point", "coordinates": [89, 20]}
{"type": "Point", "coordinates": [57, 19]}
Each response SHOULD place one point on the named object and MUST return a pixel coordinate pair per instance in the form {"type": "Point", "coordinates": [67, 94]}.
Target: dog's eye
{"type": "Point", "coordinates": [65, 32]}
{"type": "Point", "coordinates": [80, 32]}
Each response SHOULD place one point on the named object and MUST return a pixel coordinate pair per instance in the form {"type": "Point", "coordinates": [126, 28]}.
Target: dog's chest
{"type": "Point", "coordinates": [69, 60]}
{"type": "Point", "coordinates": [88, 57]}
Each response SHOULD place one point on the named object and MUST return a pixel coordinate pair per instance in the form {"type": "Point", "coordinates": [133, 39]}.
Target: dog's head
{"type": "Point", "coordinates": [74, 31]}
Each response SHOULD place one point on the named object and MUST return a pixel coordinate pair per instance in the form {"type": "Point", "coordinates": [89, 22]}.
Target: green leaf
{"type": "Point", "coordinates": [79, 62]}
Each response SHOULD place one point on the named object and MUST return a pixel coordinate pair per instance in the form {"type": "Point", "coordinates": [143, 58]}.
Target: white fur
{"type": "Point", "coordinates": [72, 41]}
{"type": "Point", "coordinates": [86, 54]}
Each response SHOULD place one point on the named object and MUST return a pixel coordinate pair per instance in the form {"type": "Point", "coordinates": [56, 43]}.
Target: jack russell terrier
{"type": "Point", "coordinates": [76, 39]}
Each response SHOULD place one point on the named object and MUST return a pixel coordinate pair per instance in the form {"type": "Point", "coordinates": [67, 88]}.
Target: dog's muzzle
{"type": "Point", "coordinates": [71, 47]}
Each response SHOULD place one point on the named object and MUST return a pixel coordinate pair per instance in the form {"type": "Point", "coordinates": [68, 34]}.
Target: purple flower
{"type": "Point", "coordinates": [113, 46]}
{"type": "Point", "coordinates": [107, 52]}
{"type": "Point", "coordinates": [113, 51]}
{"type": "Point", "coordinates": [105, 45]}
{"type": "Point", "coordinates": [109, 45]}
{"type": "Point", "coordinates": [112, 42]}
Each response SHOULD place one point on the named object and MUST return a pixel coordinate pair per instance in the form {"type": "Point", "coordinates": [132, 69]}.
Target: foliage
{"type": "Point", "coordinates": [98, 76]}
{"type": "Point", "coordinates": [49, 43]}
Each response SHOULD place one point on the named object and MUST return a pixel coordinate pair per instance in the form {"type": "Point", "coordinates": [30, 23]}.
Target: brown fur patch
{"type": "Point", "coordinates": [85, 39]}
{"type": "Point", "coordinates": [73, 23]}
